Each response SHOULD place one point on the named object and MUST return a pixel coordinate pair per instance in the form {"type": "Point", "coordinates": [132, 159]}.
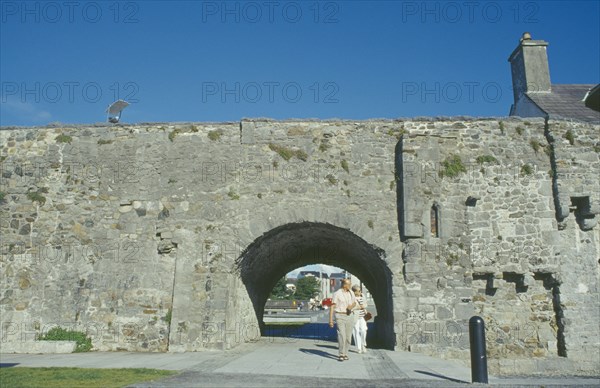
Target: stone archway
{"type": "Point", "coordinates": [293, 245]}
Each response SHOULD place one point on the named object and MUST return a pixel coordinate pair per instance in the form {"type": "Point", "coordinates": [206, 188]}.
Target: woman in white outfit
{"type": "Point", "coordinates": [359, 332]}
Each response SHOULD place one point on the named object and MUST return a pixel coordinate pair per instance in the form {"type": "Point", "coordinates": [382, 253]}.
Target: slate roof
{"type": "Point", "coordinates": [565, 101]}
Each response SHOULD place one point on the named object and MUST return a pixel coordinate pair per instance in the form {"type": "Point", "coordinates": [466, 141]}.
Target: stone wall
{"type": "Point", "coordinates": [146, 236]}
{"type": "Point", "coordinates": [117, 229]}
{"type": "Point", "coordinates": [576, 188]}
{"type": "Point", "coordinates": [499, 250]}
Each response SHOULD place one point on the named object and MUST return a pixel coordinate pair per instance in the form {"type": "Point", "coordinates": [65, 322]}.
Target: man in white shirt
{"type": "Point", "coordinates": [343, 302]}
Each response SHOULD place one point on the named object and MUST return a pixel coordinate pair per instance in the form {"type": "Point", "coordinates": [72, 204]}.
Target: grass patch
{"type": "Point", "coordinates": [78, 377]}
{"type": "Point", "coordinates": [535, 145]}
{"type": "Point", "coordinates": [570, 137]}
{"type": "Point", "coordinates": [101, 142]}
{"type": "Point", "coordinates": [169, 315]}
{"type": "Point", "coordinates": [215, 135]}
{"type": "Point", "coordinates": [501, 125]}
{"type": "Point", "coordinates": [84, 343]}
{"type": "Point", "coordinates": [63, 139]}
{"type": "Point", "coordinates": [370, 224]}
{"type": "Point", "coordinates": [332, 180]}
{"type": "Point", "coordinates": [486, 159]}
{"type": "Point", "coordinates": [288, 153]}
{"type": "Point", "coordinates": [452, 167]}
{"type": "Point", "coordinates": [2, 196]}
{"type": "Point", "coordinates": [323, 147]}
{"type": "Point", "coordinates": [519, 130]}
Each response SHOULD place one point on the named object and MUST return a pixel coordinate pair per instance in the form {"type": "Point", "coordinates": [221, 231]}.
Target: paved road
{"type": "Point", "coordinates": [277, 362]}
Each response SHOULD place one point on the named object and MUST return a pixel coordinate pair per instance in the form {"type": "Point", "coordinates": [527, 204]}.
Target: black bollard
{"type": "Point", "coordinates": [478, 357]}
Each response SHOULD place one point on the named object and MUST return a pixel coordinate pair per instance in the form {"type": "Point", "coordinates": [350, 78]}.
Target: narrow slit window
{"type": "Point", "coordinates": [435, 221]}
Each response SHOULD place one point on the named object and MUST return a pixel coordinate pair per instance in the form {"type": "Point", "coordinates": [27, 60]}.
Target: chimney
{"type": "Point", "coordinates": [529, 67]}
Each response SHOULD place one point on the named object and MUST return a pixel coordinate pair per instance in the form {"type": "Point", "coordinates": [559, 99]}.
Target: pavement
{"type": "Point", "coordinates": [280, 361]}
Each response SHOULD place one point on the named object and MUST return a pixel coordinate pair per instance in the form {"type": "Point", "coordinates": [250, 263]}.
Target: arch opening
{"type": "Point", "coordinates": [299, 307]}
{"type": "Point", "coordinates": [294, 245]}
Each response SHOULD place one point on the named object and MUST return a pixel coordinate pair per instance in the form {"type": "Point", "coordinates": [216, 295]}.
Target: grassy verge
{"type": "Point", "coordinates": [77, 377]}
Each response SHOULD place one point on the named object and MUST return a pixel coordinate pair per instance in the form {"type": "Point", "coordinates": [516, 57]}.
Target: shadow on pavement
{"type": "Point", "coordinates": [8, 364]}
{"type": "Point", "coordinates": [328, 346]}
{"type": "Point", "coordinates": [441, 376]}
{"type": "Point", "coordinates": [318, 352]}
{"type": "Point", "coordinates": [318, 331]}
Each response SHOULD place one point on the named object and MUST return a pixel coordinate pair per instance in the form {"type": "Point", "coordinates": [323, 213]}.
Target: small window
{"type": "Point", "coordinates": [584, 216]}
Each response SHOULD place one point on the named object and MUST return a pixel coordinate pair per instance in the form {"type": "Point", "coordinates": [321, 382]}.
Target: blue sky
{"type": "Point", "coordinates": [222, 61]}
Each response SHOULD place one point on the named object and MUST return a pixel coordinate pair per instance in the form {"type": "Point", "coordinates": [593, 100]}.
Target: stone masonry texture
{"type": "Point", "coordinates": [169, 236]}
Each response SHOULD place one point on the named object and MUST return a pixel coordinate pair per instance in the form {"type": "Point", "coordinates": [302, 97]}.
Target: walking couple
{"type": "Point", "coordinates": [349, 308]}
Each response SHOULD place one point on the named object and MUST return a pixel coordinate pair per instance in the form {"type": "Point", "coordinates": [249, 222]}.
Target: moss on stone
{"type": "Point", "coordinates": [526, 169]}
{"type": "Point", "coordinates": [452, 167]}
{"type": "Point", "coordinates": [570, 137]}
{"type": "Point", "coordinates": [63, 138]}
{"type": "Point", "coordinates": [287, 153]}
{"type": "Point", "coordinates": [344, 164]}
{"type": "Point", "coordinates": [486, 159]}
{"type": "Point", "coordinates": [36, 196]}
{"type": "Point", "coordinates": [215, 135]}
{"type": "Point", "coordinates": [535, 145]}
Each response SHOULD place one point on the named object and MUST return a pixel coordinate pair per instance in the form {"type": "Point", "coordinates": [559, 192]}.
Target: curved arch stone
{"type": "Point", "coordinates": [293, 245]}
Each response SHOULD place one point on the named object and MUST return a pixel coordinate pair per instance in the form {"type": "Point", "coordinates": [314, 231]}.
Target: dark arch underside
{"type": "Point", "coordinates": [293, 245]}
